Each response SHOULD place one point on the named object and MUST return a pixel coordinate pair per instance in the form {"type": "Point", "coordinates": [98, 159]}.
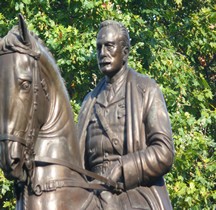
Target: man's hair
{"type": "Point", "coordinates": [122, 29]}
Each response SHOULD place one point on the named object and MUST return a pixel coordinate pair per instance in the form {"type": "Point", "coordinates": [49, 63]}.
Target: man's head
{"type": "Point", "coordinates": [113, 45]}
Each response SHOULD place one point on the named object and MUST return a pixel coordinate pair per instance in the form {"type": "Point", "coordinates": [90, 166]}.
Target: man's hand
{"type": "Point", "coordinates": [114, 172]}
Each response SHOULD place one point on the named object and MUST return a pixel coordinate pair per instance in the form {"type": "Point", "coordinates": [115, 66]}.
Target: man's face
{"type": "Point", "coordinates": [110, 54]}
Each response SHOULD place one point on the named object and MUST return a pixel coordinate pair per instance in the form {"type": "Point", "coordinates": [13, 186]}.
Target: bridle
{"type": "Point", "coordinates": [28, 141]}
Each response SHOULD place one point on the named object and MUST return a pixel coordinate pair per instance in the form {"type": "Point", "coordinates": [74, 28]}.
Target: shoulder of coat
{"type": "Point", "coordinates": [144, 82]}
{"type": "Point", "coordinates": [94, 92]}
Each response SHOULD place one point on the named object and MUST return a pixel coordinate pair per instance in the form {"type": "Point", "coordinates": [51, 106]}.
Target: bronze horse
{"type": "Point", "coordinates": [38, 145]}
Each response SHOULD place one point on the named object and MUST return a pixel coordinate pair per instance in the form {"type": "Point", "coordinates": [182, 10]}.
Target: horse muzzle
{"type": "Point", "coordinates": [11, 157]}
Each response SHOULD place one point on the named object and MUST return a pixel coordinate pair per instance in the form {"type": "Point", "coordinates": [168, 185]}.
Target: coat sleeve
{"type": "Point", "coordinates": [145, 166]}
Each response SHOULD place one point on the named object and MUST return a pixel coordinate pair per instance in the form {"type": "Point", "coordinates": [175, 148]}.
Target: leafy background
{"type": "Point", "coordinates": [173, 41]}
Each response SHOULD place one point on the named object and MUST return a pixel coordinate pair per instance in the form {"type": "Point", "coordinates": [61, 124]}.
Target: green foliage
{"type": "Point", "coordinates": [7, 200]}
{"type": "Point", "coordinates": [172, 41]}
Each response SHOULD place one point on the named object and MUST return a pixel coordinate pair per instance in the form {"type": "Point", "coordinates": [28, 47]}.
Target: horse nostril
{"type": "Point", "coordinates": [14, 163]}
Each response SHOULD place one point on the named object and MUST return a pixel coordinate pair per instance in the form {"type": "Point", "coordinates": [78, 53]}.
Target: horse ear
{"type": "Point", "coordinates": [23, 30]}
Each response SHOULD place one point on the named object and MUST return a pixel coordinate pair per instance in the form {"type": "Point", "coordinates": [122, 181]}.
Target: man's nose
{"type": "Point", "coordinates": [103, 51]}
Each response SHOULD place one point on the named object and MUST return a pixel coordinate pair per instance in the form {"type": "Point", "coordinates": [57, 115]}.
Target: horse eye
{"type": "Point", "coordinates": [25, 85]}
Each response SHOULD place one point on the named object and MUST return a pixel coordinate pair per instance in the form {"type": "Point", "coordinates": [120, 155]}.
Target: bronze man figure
{"type": "Point", "coordinates": [124, 128]}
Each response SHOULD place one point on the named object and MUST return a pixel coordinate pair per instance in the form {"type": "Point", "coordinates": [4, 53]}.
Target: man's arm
{"type": "Point", "coordinates": [144, 166]}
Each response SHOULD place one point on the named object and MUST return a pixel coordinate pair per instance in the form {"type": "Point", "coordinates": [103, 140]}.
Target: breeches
{"type": "Point", "coordinates": [132, 199]}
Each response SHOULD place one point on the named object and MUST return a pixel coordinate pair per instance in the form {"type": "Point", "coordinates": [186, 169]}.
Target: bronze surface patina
{"type": "Point", "coordinates": [38, 146]}
{"type": "Point", "coordinates": [124, 128]}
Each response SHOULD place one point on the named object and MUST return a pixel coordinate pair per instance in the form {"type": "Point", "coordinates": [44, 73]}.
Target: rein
{"type": "Point", "coordinates": [53, 184]}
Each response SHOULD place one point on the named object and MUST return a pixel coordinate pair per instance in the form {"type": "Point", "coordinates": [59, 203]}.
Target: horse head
{"type": "Point", "coordinates": [22, 93]}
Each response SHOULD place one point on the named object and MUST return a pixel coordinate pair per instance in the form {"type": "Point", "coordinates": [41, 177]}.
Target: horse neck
{"type": "Point", "coordinates": [60, 117]}
{"type": "Point", "coordinates": [57, 138]}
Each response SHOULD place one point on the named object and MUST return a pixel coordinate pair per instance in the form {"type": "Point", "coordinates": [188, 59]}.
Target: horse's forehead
{"type": "Point", "coordinates": [22, 60]}
{"type": "Point", "coordinates": [20, 63]}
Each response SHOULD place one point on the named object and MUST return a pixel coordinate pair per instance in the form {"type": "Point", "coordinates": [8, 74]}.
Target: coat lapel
{"type": "Point", "coordinates": [134, 114]}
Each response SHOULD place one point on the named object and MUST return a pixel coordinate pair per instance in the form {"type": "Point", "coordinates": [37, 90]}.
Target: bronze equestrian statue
{"type": "Point", "coordinates": [124, 128]}
{"type": "Point", "coordinates": [39, 148]}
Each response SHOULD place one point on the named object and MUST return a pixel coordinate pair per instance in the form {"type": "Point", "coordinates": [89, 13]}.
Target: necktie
{"type": "Point", "coordinates": [109, 92]}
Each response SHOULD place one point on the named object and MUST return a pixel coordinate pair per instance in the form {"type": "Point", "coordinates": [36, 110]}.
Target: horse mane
{"type": "Point", "coordinates": [48, 54]}
{"type": "Point", "coordinates": [37, 38]}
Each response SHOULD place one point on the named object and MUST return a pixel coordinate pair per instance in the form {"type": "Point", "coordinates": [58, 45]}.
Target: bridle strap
{"type": "Point", "coordinates": [9, 137]}
{"type": "Point", "coordinates": [31, 135]}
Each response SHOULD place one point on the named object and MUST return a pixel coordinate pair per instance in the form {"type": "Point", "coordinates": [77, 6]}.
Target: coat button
{"type": "Point", "coordinates": [106, 154]}
{"type": "Point", "coordinates": [115, 141]}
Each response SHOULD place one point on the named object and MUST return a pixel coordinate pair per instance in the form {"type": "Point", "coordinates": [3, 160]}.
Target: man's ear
{"type": "Point", "coordinates": [125, 52]}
